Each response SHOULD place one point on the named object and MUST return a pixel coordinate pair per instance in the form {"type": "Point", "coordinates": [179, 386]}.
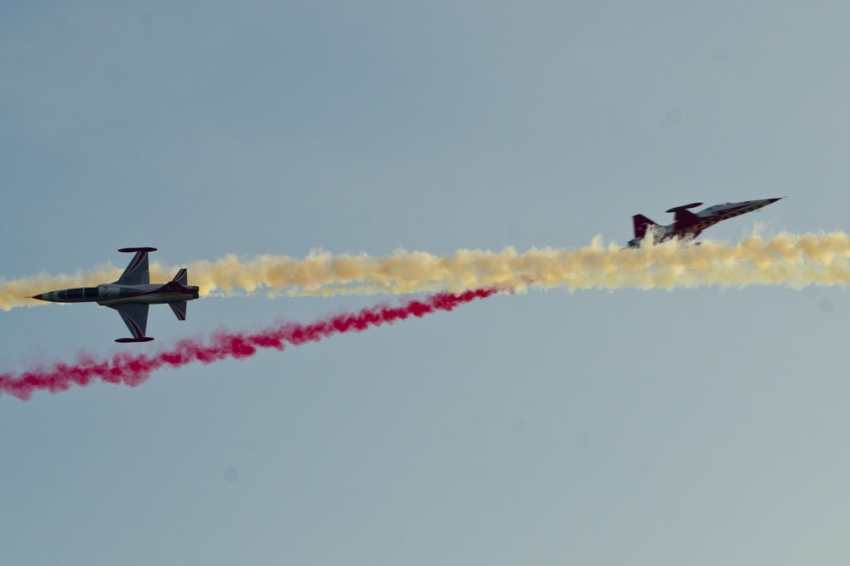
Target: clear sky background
{"type": "Point", "coordinates": [688, 427]}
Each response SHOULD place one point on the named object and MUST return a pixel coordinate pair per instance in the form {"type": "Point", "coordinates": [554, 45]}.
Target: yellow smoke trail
{"type": "Point", "coordinates": [789, 260]}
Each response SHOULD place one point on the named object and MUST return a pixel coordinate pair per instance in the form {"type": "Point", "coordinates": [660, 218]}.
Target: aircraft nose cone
{"type": "Point", "coordinates": [773, 200]}
{"type": "Point", "coordinates": [39, 297]}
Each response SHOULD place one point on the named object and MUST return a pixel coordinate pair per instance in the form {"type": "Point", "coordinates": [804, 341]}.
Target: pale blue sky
{"type": "Point", "coordinates": [693, 427]}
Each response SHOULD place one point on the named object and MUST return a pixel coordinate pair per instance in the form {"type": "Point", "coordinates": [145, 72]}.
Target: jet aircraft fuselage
{"type": "Point", "coordinates": [688, 225]}
{"type": "Point", "coordinates": [132, 294]}
{"type": "Point", "coordinates": [109, 294]}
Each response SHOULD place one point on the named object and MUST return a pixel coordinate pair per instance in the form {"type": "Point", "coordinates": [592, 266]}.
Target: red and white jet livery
{"type": "Point", "coordinates": [688, 225]}
{"type": "Point", "coordinates": [132, 294]}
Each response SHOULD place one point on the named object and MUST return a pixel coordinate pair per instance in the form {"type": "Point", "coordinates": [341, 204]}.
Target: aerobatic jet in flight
{"type": "Point", "coordinates": [132, 294]}
{"type": "Point", "coordinates": [688, 225]}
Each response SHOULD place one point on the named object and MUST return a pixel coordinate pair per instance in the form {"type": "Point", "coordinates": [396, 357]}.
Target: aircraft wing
{"type": "Point", "coordinates": [684, 218]}
{"type": "Point", "coordinates": [137, 272]}
{"type": "Point", "coordinates": [135, 316]}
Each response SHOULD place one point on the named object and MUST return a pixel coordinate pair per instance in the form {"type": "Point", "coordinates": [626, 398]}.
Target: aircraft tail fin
{"type": "Point", "coordinates": [641, 223]}
{"type": "Point", "coordinates": [179, 309]}
{"type": "Point", "coordinates": [182, 277]}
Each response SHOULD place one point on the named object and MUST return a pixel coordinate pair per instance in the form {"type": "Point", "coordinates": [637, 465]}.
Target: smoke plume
{"type": "Point", "coordinates": [789, 260]}
{"type": "Point", "coordinates": [134, 369]}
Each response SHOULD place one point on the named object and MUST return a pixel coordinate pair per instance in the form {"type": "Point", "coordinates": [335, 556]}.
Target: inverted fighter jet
{"type": "Point", "coordinates": [132, 294]}
{"type": "Point", "coordinates": [688, 225]}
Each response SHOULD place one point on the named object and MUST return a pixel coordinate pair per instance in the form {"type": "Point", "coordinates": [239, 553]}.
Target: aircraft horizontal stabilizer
{"type": "Point", "coordinates": [179, 309]}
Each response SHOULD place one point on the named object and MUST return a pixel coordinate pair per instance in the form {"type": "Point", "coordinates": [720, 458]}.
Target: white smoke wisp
{"type": "Point", "coordinates": [789, 260]}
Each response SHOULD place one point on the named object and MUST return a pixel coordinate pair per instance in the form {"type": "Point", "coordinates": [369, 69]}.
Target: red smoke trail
{"type": "Point", "coordinates": [134, 369]}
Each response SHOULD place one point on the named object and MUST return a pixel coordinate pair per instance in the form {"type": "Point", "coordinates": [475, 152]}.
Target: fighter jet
{"type": "Point", "coordinates": [688, 225]}
{"type": "Point", "coordinates": [132, 294]}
